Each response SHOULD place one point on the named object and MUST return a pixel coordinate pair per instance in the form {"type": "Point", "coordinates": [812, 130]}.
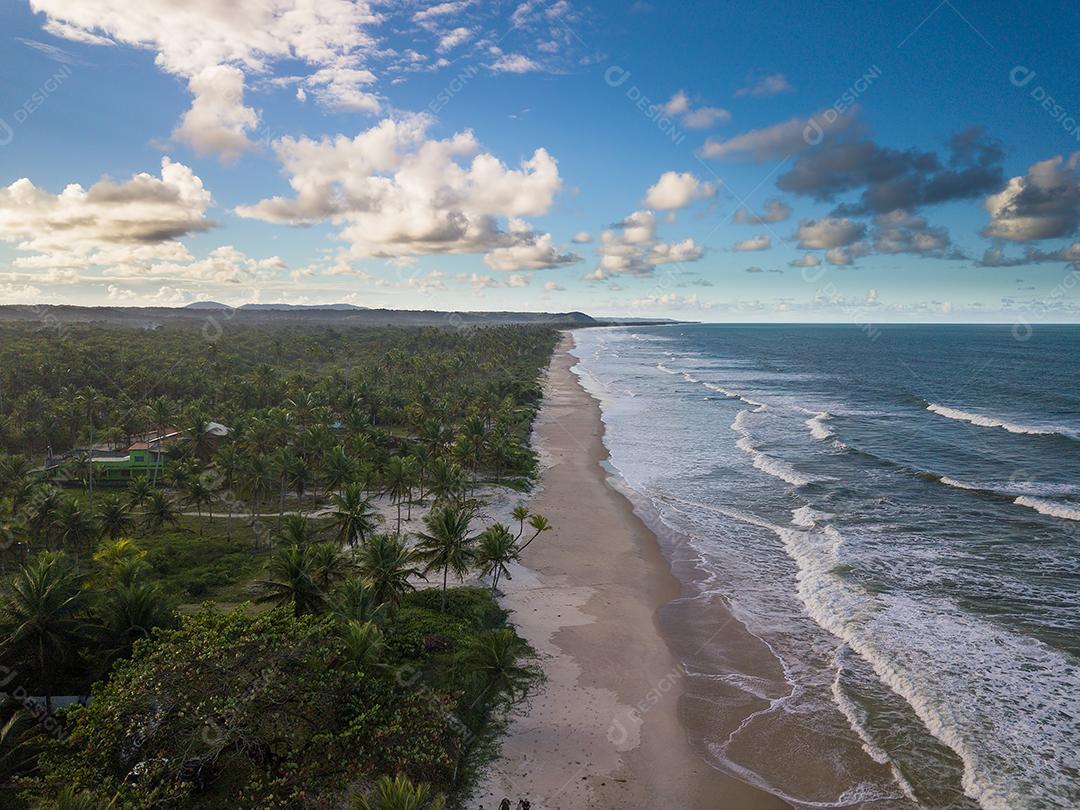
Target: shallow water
{"type": "Point", "coordinates": [896, 519]}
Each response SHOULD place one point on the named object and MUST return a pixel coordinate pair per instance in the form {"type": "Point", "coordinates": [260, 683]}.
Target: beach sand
{"type": "Point", "coordinates": [604, 730]}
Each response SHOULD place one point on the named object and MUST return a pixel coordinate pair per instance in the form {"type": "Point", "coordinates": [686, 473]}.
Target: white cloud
{"type": "Point", "coordinates": [393, 192]}
{"type": "Point", "coordinates": [829, 232]}
{"type": "Point", "coordinates": [669, 301]}
{"type": "Point", "coordinates": [679, 106]}
{"type": "Point", "coordinates": [677, 190]}
{"type": "Point", "coordinates": [532, 252]}
{"type": "Point", "coordinates": [582, 237]}
{"type": "Point", "coordinates": [551, 286]}
{"type": "Point", "coordinates": [247, 36]}
{"type": "Point", "coordinates": [847, 255]}
{"type": "Point", "coordinates": [775, 211]}
{"type": "Point", "coordinates": [477, 280]}
{"type": "Point", "coordinates": [218, 121]}
{"type": "Point", "coordinates": [514, 63]}
{"type": "Point", "coordinates": [451, 39]}
{"type": "Point", "coordinates": [780, 140]}
{"type": "Point", "coordinates": [137, 221]}
{"type": "Point", "coordinates": [761, 242]}
{"type": "Point", "coordinates": [768, 85]}
{"type": "Point", "coordinates": [632, 248]}
{"type": "Point", "coordinates": [1042, 204]}
{"type": "Point", "coordinates": [808, 260]}
{"type": "Point", "coordinates": [517, 280]}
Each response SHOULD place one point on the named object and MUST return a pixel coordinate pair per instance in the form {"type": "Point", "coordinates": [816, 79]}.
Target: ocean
{"type": "Point", "coordinates": [893, 517]}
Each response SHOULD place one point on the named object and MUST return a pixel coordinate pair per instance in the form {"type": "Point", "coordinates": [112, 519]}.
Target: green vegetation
{"type": "Point", "coordinates": [251, 633]}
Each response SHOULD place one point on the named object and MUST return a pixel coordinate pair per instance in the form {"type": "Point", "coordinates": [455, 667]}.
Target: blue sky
{"type": "Point", "coordinates": [737, 161]}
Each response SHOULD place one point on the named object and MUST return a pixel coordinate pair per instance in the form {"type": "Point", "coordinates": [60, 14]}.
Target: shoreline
{"type": "Point", "coordinates": [607, 728]}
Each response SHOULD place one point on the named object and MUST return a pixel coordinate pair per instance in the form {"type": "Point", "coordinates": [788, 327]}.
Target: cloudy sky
{"type": "Point", "coordinates": [740, 161]}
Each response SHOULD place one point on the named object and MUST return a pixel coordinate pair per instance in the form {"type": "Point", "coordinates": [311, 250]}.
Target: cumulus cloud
{"type": "Point", "coordinates": [677, 190]}
{"type": "Point", "coordinates": [582, 237]}
{"type": "Point", "coordinates": [771, 84]}
{"type": "Point", "coordinates": [1044, 203]}
{"type": "Point", "coordinates": [670, 301]}
{"type": "Point", "coordinates": [829, 232]}
{"type": "Point", "coordinates": [691, 117]}
{"type": "Point", "coordinates": [514, 63]}
{"type": "Point", "coordinates": [847, 255]}
{"type": "Point", "coordinates": [243, 35]}
{"type": "Point", "coordinates": [807, 260]}
{"type": "Point", "coordinates": [995, 256]}
{"type": "Point", "coordinates": [395, 192]}
{"type": "Point", "coordinates": [780, 140]}
{"type": "Point", "coordinates": [631, 248]}
{"type": "Point", "coordinates": [451, 39]}
{"type": "Point", "coordinates": [551, 286]}
{"type": "Point", "coordinates": [218, 121]}
{"type": "Point", "coordinates": [891, 179]}
{"type": "Point", "coordinates": [775, 211]}
{"type": "Point", "coordinates": [224, 265]}
{"type": "Point", "coordinates": [761, 242]}
{"type": "Point", "coordinates": [901, 232]}
{"type": "Point", "coordinates": [139, 220]}
{"type": "Point", "coordinates": [532, 252]}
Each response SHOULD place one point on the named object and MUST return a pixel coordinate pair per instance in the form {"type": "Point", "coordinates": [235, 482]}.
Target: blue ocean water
{"type": "Point", "coordinates": [896, 514]}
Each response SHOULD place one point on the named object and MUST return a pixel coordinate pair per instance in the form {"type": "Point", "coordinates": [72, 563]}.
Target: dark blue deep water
{"type": "Point", "coordinates": [896, 514]}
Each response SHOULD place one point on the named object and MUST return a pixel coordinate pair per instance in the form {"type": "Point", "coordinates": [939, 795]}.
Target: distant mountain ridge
{"type": "Point", "coordinates": [278, 307]}
{"type": "Point", "coordinates": [220, 317]}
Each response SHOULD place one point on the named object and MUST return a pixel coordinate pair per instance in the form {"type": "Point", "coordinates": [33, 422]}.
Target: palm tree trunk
{"type": "Point", "coordinates": [445, 571]}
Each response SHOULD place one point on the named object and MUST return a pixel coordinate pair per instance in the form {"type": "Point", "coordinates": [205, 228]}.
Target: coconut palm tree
{"type": "Point", "coordinates": [330, 566]}
{"type": "Point", "coordinates": [338, 470]}
{"type": "Point", "coordinates": [113, 516]}
{"type": "Point", "coordinates": [119, 561]}
{"type": "Point", "coordinates": [520, 514]}
{"type": "Point", "coordinates": [387, 564]}
{"type": "Point", "coordinates": [498, 548]}
{"type": "Point", "coordinates": [131, 612]}
{"type": "Point", "coordinates": [291, 581]}
{"type": "Point", "coordinates": [492, 664]}
{"type": "Point", "coordinates": [198, 494]}
{"type": "Point", "coordinates": [446, 545]}
{"type": "Point", "coordinates": [397, 480]}
{"type": "Point", "coordinates": [364, 642]}
{"type": "Point", "coordinates": [448, 480]}
{"type": "Point", "coordinates": [539, 524]}
{"type": "Point", "coordinates": [295, 530]}
{"type": "Point", "coordinates": [73, 527]}
{"type": "Point", "coordinates": [400, 794]}
{"type": "Point", "coordinates": [41, 618]}
{"type": "Point", "coordinates": [138, 492]}
{"type": "Point", "coordinates": [355, 599]}
{"type": "Point", "coordinates": [41, 514]}
{"type": "Point", "coordinates": [160, 512]}
{"type": "Point", "coordinates": [354, 516]}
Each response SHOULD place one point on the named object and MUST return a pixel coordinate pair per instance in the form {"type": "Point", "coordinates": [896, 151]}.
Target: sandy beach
{"type": "Point", "coordinates": [604, 730]}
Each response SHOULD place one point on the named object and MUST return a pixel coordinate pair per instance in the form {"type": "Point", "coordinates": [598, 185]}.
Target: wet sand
{"type": "Point", "coordinates": [608, 729]}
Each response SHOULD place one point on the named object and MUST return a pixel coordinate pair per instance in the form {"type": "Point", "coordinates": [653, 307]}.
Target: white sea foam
{"type": "Point", "coordinates": [818, 430]}
{"type": "Point", "coordinates": [977, 701]}
{"type": "Point", "coordinates": [952, 482]}
{"type": "Point", "coordinates": [665, 369]}
{"type": "Point", "coordinates": [994, 422]}
{"type": "Point", "coordinates": [769, 465]}
{"type": "Point", "coordinates": [1052, 508]}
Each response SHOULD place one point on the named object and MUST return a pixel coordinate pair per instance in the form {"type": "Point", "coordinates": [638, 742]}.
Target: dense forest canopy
{"type": "Point", "coordinates": [259, 622]}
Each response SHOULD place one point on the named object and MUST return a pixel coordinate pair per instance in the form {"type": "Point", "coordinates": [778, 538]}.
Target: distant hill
{"type": "Point", "coordinates": [220, 317]}
{"type": "Point", "coordinates": [277, 307]}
